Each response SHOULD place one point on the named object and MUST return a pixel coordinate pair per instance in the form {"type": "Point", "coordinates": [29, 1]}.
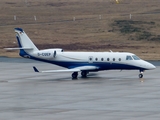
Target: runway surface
{"type": "Point", "coordinates": [106, 95]}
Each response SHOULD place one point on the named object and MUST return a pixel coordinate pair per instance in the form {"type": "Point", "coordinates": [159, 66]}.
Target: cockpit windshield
{"type": "Point", "coordinates": [129, 57]}
{"type": "Point", "coordinates": [135, 57]}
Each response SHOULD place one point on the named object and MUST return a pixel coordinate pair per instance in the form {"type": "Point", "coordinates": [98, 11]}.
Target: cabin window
{"type": "Point", "coordinates": [114, 59]}
{"type": "Point", "coordinates": [119, 59]}
{"type": "Point", "coordinates": [107, 59]}
{"type": "Point", "coordinates": [135, 57]}
{"type": "Point", "coordinates": [102, 59]}
{"type": "Point", "coordinates": [96, 59]}
{"type": "Point", "coordinates": [90, 59]}
{"type": "Point", "coordinates": [128, 57]}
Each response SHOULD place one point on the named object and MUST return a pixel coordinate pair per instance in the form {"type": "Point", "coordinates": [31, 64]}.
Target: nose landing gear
{"type": "Point", "coordinates": [141, 74]}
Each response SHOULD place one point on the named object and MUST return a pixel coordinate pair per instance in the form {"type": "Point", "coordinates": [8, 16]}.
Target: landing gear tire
{"type": "Point", "coordinates": [84, 74]}
{"type": "Point", "coordinates": [140, 75]}
{"type": "Point", "coordinates": [74, 75]}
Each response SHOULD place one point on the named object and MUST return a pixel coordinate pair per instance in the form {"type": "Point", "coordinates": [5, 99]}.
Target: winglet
{"type": "Point", "coordinates": [35, 69]}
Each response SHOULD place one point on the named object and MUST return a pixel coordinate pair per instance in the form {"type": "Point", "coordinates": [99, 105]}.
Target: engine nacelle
{"type": "Point", "coordinates": [48, 53]}
{"type": "Point", "coordinates": [56, 50]}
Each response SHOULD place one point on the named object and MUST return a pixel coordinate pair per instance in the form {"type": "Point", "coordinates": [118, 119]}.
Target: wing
{"type": "Point", "coordinates": [76, 69]}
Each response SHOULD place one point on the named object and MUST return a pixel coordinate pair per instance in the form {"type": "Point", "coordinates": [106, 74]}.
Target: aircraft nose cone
{"type": "Point", "coordinates": [148, 65]}
{"type": "Point", "coordinates": [151, 66]}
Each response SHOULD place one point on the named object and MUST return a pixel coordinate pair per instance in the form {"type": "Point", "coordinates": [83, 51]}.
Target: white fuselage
{"type": "Point", "coordinates": [103, 60]}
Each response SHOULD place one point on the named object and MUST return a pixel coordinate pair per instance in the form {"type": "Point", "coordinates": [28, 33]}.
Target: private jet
{"type": "Point", "coordinates": [83, 62]}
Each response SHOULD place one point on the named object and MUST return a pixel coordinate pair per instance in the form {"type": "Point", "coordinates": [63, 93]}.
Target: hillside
{"type": "Point", "coordinates": [88, 25]}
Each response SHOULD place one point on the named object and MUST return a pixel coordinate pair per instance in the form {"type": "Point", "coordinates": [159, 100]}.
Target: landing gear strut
{"type": "Point", "coordinates": [141, 74]}
{"type": "Point", "coordinates": [74, 75]}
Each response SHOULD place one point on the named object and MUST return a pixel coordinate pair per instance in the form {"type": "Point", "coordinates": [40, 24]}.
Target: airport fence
{"type": "Point", "coordinates": [19, 20]}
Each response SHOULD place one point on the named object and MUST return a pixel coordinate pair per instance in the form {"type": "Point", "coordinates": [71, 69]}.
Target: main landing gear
{"type": "Point", "coordinates": [141, 74]}
{"type": "Point", "coordinates": [74, 75]}
{"type": "Point", "coordinates": [83, 74]}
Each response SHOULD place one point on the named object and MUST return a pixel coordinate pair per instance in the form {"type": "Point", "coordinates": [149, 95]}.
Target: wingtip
{"type": "Point", "coordinates": [35, 69]}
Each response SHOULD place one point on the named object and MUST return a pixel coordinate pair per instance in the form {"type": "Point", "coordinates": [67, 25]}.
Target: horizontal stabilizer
{"type": "Point", "coordinates": [18, 48]}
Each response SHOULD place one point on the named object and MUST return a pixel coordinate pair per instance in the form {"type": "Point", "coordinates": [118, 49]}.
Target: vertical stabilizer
{"type": "Point", "coordinates": [27, 47]}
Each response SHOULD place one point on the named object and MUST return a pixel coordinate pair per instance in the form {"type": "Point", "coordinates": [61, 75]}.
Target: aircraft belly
{"type": "Point", "coordinates": [112, 66]}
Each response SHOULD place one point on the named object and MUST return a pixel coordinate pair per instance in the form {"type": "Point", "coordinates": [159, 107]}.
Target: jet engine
{"type": "Point", "coordinates": [49, 53]}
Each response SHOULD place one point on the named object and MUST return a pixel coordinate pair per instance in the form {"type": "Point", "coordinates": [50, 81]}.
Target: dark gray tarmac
{"type": "Point", "coordinates": [106, 95]}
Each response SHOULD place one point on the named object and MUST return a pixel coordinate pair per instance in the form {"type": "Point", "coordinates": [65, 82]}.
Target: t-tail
{"type": "Point", "coordinates": [26, 46]}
